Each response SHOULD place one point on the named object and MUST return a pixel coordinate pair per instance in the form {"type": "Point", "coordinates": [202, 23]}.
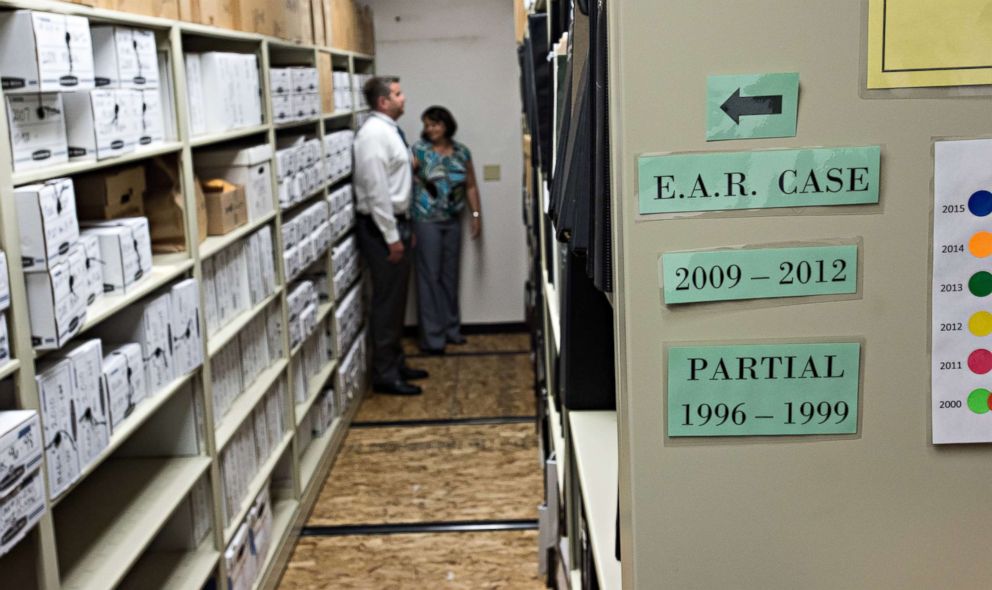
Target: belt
{"type": "Point", "coordinates": [400, 217]}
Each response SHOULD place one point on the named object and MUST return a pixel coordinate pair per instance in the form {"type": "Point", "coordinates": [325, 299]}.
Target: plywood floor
{"type": "Point", "coordinates": [452, 469]}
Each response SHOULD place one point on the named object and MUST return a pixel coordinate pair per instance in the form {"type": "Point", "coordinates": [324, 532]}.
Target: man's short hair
{"type": "Point", "coordinates": [377, 87]}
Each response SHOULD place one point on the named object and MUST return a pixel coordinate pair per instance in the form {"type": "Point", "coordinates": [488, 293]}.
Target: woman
{"type": "Point", "coordinates": [445, 182]}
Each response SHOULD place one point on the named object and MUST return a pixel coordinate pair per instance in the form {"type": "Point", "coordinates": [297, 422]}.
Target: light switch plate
{"type": "Point", "coordinates": [490, 172]}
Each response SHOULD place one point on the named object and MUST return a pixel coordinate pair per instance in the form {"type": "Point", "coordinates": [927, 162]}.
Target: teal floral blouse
{"type": "Point", "coordinates": [448, 174]}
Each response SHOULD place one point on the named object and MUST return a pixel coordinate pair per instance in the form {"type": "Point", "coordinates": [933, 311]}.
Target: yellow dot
{"type": "Point", "coordinates": [980, 324]}
{"type": "Point", "coordinates": [980, 244]}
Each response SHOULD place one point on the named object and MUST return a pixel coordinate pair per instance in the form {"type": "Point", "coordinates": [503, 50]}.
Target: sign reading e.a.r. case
{"type": "Point", "coordinates": [722, 181]}
{"type": "Point", "coordinates": [764, 389]}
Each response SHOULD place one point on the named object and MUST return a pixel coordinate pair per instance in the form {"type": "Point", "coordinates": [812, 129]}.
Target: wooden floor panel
{"type": "Point", "coordinates": [460, 387]}
{"type": "Point", "coordinates": [430, 474]}
{"type": "Point", "coordinates": [455, 561]}
{"type": "Point", "coordinates": [515, 342]}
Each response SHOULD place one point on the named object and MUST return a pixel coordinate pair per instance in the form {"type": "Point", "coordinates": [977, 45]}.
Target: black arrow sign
{"type": "Point", "coordinates": [738, 106]}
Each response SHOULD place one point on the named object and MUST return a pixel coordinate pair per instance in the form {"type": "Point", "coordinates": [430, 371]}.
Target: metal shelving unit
{"type": "Point", "coordinates": [97, 533]}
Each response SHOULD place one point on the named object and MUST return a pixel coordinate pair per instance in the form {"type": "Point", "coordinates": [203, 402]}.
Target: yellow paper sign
{"type": "Point", "coordinates": [916, 43]}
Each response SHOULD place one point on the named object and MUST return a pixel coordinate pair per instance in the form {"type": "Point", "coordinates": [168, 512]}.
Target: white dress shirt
{"type": "Point", "coordinates": [383, 178]}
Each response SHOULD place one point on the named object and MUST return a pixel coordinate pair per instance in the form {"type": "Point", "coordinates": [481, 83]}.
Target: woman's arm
{"type": "Point", "coordinates": [474, 203]}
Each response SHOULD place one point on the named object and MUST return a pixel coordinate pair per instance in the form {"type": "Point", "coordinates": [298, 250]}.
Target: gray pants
{"type": "Point", "coordinates": [438, 247]}
{"type": "Point", "coordinates": [389, 287]}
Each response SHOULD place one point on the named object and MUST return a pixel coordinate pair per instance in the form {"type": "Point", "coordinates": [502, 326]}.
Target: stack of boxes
{"type": "Point", "coordinates": [346, 263]}
{"type": "Point", "coordinates": [247, 167]}
{"type": "Point", "coordinates": [246, 553]}
{"type": "Point", "coordinates": [251, 445]}
{"type": "Point", "coordinates": [299, 169]}
{"type": "Point", "coordinates": [350, 378]}
{"type": "Point", "coordinates": [88, 389]}
{"type": "Point", "coordinates": [239, 363]}
{"type": "Point", "coordinates": [358, 84]}
{"type": "Point", "coordinates": [344, 94]}
{"type": "Point", "coordinates": [348, 319]}
{"type": "Point", "coordinates": [342, 217]}
{"type": "Point", "coordinates": [337, 154]}
{"type": "Point", "coordinates": [295, 93]}
{"type": "Point", "coordinates": [305, 238]}
{"type": "Point", "coordinates": [82, 93]}
{"type": "Point", "coordinates": [223, 91]}
{"type": "Point", "coordinates": [22, 487]}
{"type": "Point", "coordinates": [302, 302]}
{"type": "Point", "coordinates": [238, 278]}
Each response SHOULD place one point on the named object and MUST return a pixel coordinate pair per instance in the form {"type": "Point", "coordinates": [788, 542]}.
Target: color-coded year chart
{"type": "Point", "coordinates": [961, 312]}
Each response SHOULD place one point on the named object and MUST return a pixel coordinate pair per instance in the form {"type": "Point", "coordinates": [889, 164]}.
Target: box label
{"type": "Point", "coordinates": [724, 181]}
{"type": "Point", "coordinates": [763, 389]}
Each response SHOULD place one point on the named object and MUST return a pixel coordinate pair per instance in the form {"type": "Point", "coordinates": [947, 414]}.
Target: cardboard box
{"type": "Point", "coordinates": [140, 235]}
{"type": "Point", "coordinates": [54, 381]}
{"type": "Point", "coordinates": [111, 194]}
{"type": "Point", "coordinates": [57, 301]}
{"type": "Point", "coordinates": [280, 81]}
{"type": "Point", "coordinates": [305, 106]}
{"type": "Point", "coordinates": [121, 265]}
{"type": "Point", "coordinates": [20, 510]}
{"type": "Point", "coordinates": [231, 81]}
{"type": "Point", "coordinates": [122, 382]}
{"type": "Point", "coordinates": [46, 215]}
{"type": "Point", "coordinates": [146, 323]}
{"type": "Point", "coordinates": [37, 131]}
{"type": "Point", "coordinates": [44, 52]}
{"type": "Point", "coordinates": [282, 109]}
{"type": "Point", "coordinates": [187, 343]}
{"type": "Point", "coordinates": [158, 8]}
{"type": "Point", "coordinates": [102, 123]}
{"type": "Point", "coordinates": [21, 448]}
{"type": "Point", "coordinates": [304, 80]}
{"type": "Point", "coordinates": [250, 168]}
{"type": "Point", "coordinates": [194, 95]}
{"type": "Point", "coordinates": [226, 207]}
{"type": "Point", "coordinates": [125, 57]}
{"type": "Point", "coordinates": [91, 429]}
{"type": "Point", "coordinates": [152, 120]}
{"type": "Point", "coordinates": [94, 266]}
{"type": "Point", "coordinates": [165, 207]}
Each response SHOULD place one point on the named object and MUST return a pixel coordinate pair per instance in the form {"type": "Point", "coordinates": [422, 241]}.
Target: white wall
{"type": "Point", "coordinates": [462, 54]}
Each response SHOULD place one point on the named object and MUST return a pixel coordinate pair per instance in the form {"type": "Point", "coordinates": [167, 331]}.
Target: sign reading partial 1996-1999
{"type": "Point", "coordinates": [734, 275]}
{"type": "Point", "coordinates": [723, 181]}
{"type": "Point", "coordinates": [763, 389]}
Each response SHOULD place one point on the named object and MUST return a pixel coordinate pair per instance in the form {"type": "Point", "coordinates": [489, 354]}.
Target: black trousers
{"type": "Point", "coordinates": [389, 290]}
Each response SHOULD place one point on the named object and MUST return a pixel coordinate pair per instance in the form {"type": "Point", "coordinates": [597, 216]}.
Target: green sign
{"type": "Point", "coordinates": [728, 275]}
{"type": "Point", "coordinates": [763, 389]}
{"type": "Point", "coordinates": [723, 181]}
{"type": "Point", "coordinates": [751, 106]}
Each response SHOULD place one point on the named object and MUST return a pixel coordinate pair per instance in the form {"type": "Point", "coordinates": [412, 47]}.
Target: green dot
{"type": "Point", "coordinates": [980, 284]}
{"type": "Point", "coordinates": [978, 401]}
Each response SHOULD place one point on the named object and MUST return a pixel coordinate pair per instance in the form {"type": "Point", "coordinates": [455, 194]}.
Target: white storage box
{"type": "Point", "coordinates": [304, 80]}
{"type": "Point", "coordinates": [102, 123]}
{"type": "Point", "coordinates": [94, 266]}
{"type": "Point", "coordinates": [44, 52]}
{"type": "Point", "coordinates": [91, 428]}
{"type": "Point", "coordinates": [280, 81]}
{"type": "Point", "coordinates": [4, 283]}
{"type": "Point", "coordinates": [146, 323]}
{"type": "Point", "coordinates": [46, 216]}
{"type": "Point", "coordinates": [152, 128]}
{"type": "Point", "coordinates": [250, 168]}
{"type": "Point", "coordinates": [37, 130]}
{"type": "Point", "coordinates": [20, 447]}
{"type": "Point", "coordinates": [125, 58]}
{"type": "Point", "coordinates": [57, 301]}
{"type": "Point", "coordinates": [137, 246]}
{"type": "Point", "coordinates": [282, 108]}
{"type": "Point", "coordinates": [123, 381]}
{"type": "Point", "coordinates": [20, 510]}
{"type": "Point", "coordinates": [187, 344]}
{"type": "Point", "coordinates": [54, 381]}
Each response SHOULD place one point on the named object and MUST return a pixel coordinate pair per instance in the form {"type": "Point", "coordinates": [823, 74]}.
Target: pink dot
{"type": "Point", "coordinates": [980, 361]}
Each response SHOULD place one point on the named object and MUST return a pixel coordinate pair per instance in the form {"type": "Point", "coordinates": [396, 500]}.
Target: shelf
{"type": "Point", "coordinates": [230, 330]}
{"type": "Point", "coordinates": [594, 440]}
{"type": "Point", "coordinates": [242, 407]}
{"type": "Point", "coordinates": [122, 507]}
{"type": "Point", "coordinates": [215, 244]}
{"type": "Point", "coordinates": [257, 483]}
{"type": "Point", "coordinates": [174, 570]}
{"type": "Point", "coordinates": [307, 200]}
{"type": "Point", "coordinates": [338, 179]}
{"type": "Point", "coordinates": [336, 114]}
{"type": "Point", "coordinates": [165, 269]}
{"type": "Point", "coordinates": [283, 514]}
{"type": "Point", "coordinates": [315, 386]}
{"type": "Point", "coordinates": [299, 123]}
{"type": "Point", "coordinates": [70, 168]}
{"type": "Point", "coordinates": [322, 311]}
{"type": "Point", "coordinates": [9, 368]}
{"type": "Point", "coordinates": [205, 140]}
{"type": "Point", "coordinates": [144, 410]}
{"type": "Point", "coordinates": [312, 455]}
{"type": "Point", "coordinates": [361, 110]}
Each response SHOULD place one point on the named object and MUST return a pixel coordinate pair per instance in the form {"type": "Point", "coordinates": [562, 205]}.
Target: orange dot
{"type": "Point", "coordinates": [980, 244]}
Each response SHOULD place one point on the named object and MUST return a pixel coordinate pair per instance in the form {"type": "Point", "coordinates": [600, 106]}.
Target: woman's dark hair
{"type": "Point", "coordinates": [442, 115]}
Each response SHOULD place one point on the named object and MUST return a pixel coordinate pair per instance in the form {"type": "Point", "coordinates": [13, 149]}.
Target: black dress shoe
{"type": "Point", "coordinates": [459, 340]}
{"type": "Point", "coordinates": [409, 373]}
{"type": "Point", "coordinates": [398, 387]}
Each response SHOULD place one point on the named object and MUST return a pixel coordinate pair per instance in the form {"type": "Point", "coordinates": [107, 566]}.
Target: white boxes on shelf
{"type": "Point", "coordinates": [248, 167]}
{"type": "Point", "coordinates": [342, 212]}
{"type": "Point", "coordinates": [348, 316]}
{"type": "Point", "coordinates": [94, 266]}
{"type": "Point", "coordinates": [123, 381]}
{"type": "Point", "coordinates": [91, 427]}
{"type": "Point", "coordinates": [299, 170]}
{"type": "Point", "coordinates": [102, 123]}
{"type": "Point", "coordinates": [337, 153]}
{"type": "Point", "coordinates": [146, 323]}
{"type": "Point", "coordinates": [223, 91]}
{"type": "Point", "coordinates": [21, 447]}
{"type": "Point", "coordinates": [343, 92]}
{"type": "Point", "coordinates": [226, 376]}
{"type": "Point", "coordinates": [37, 130]}
{"type": "Point", "coordinates": [346, 265]}
{"type": "Point", "coordinates": [358, 81]}
{"type": "Point", "coordinates": [46, 215]}
{"type": "Point", "coordinates": [125, 57]}
{"type": "Point", "coordinates": [125, 251]}
{"type": "Point", "coordinates": [54, 381]}
{"type": "Point", "coordinates": [304, 80]}
{"type": "Point", "coordinates": [280, 81]}
{"type": "Point", "coordinates": [152, 118]}
{"type": "Point", "coordinates": [57, 300]}
{"type": "Point", "coordinates": [295, 93]}
{"type": "Point", "coordinates": [44, 52]}
{"type": "Point", "coordinates": [350, 376]}
{"type": "Point", "coordinates": [187, 343]}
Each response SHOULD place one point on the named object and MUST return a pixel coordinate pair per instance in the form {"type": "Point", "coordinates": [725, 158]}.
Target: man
{"type": "Point", "coordinates": [383, 190]}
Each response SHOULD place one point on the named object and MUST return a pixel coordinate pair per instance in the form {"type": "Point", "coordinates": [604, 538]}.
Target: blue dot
{"type": "Point", "coordinates": [980, 203]}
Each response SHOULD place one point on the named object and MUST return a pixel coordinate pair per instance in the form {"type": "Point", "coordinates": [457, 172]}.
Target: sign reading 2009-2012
{"type": "Point", "coordinates": [723, 181]}
{"type": "Point", "coordinates": [763, 389]}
